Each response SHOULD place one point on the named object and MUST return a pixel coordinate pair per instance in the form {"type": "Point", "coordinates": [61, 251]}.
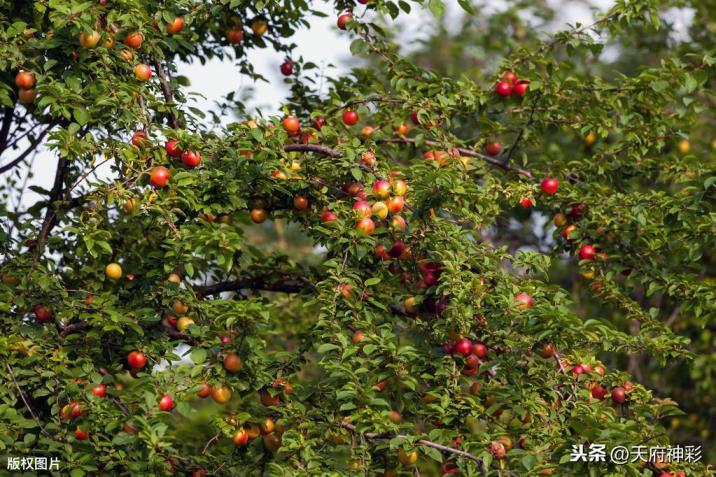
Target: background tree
{"type": "Point", "coordinates": [366, 282]}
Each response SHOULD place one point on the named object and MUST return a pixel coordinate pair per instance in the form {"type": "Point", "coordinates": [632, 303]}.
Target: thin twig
{"type": "Point", "coordinates": [210, 441]}
{"type": "Point", "coordinates": [24, 399]}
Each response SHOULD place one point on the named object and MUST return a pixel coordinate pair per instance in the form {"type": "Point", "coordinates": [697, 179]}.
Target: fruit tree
{"type": "Point", "coordinates": [468, 260]}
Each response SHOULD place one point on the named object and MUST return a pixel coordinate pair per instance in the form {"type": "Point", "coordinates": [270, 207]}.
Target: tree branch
{"type": "Point", "coordinates": [464, 152]}
{"type": "Point", "coordinates": [5, 128]}
{"type": "Point", "coordinates": [167, 92]}
{"type": "Point", "coordinates": [327, 151]}
{"type": "Point", "coordinates": [521, 134]}
{"type": "Point", "coordinates": [28, 151]}
{"type": "Point", "coordinates": [373, 436]}
{"type": "Point", "coordinates": [24, 399]}
{"type": "Point", "coordinates": [51, 215]}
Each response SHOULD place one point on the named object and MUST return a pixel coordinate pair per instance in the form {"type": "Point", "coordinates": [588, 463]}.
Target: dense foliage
{"type": "Point", "coordinates": [369, 281]}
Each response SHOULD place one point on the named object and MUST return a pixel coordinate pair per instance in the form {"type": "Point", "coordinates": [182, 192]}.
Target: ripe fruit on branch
{"type": "Point", "coordinates": [380, 210]}
{"type": "Point", "coordinates": [497, 450]}
{"type": "Point", "coordinates": [205, 390]}
{"type": "Point", "coordinates": [524, 300]}
{"type": "Point", "coordinates": [684, 146]}
{"type": "Point", "coordinates": [472, 361]}
{"type": "Point", "coordinates": [350, 117]}
{"type": "Point", "coordinates": [221, 395]}
{"type": "Point", "coordinates": [328, 217]}
{"type": "Point", "coordinates": [343, 20]}
{"type": "Point", "coordinates": [568, 230]}
{"type": "Point", "coordinates": [463, 346]}
{"type": "Point", "coordinates": [362, 209]}
{"type": "Point", "coordinates": [526, 203]}
{"type": "Point", "coordinates": [25, 79]}
{"type": "Point", "coordinates": [520, 89]}
{"type": "Point", "coordinates": [395, 204]}
{"type": "Point", "coordinates": [26, 96]}
{"type": "Point", "coordinates": [548, 351]}
{"type": "Point", "coordinates": [578, 369]}
{"type": "Point", "coordinates": [235, 35]}
{"type": "Point", "coordinates": [560, 220]}
{"type": "Point", "coordinates": [590, 139]}
{"type": "Point", "coordinates": [259, 26]}
{"type": "Point", "coordinates": [357, 337]}
{"type": "Point", "coordinates": [259, 215]}
{"type": "Point", "coordinates": [184, 323]}
{"type": "Point", "coordinates": [139, 138]}
{"type": "Point", "coordinates": [365, 226]}
{"type": "Point", "coordinates": [398, 223]}
{"type": "Point", "coordinates": [407, 458]}
{"type": "Point", "coordinates": [233, 363]}
{"type": "Point", "coordinates": [509, 76]}
{"type": "Point", "coordinates": [113, 271]}
{"type": "Point", "coordinates": [549, 185]}
{"type": "Point", "coordinates": [134, 40]}
{"type": "Point", "coordinates": [319, 122]}
{"type": "Point", "coordinates": [479, 349]}
{"type": "Point", "coordinates": [400, 187]}
{"type": "Point", "coordinates": [42, 313]}
{"type": "Point", "coordinates": [587, 252]}
{"type": "Point", "coordinates": [503, 88]}
{"type": "Point", "coordinates": [142, 72]}
{"type": "Point", "coordinates": [176, 26]}
{"type": "Point", "coordinates": [173, 148]}
{"type": "Point", "coordinates": [191, 159]}
{"type": "Point", "coordinates": [578, 210]}
{"type": "Point", "coordinates": [352, 188]}
{"type": "Point", "coordinates": [367, 132]}
{"type": "Point", "coordinates": [267, 426]}
{"type": "Point", "coordinates": [618, 395]}
{"type": "Point", "coordinates": [291, 125]}
{"type": "Point", "coordinates": [159, 177]}
{"type": "Point", "coordinates": [381, 188]}
{"type": "Point", "coordinates": [100, 390]}
{"type": "Point", "coordinates": [493, 148]}
{"type": "Point", "coordinates": [402, 130]}
{"type": "Point", "coordinates": [598, 392]}
{"type": "Point", "coordinates": [81, 435]}
{"type": "Point", "coordinates": [89, 40]}
{"type": "Point", "coordinates": [179, 308]}
{"type": "Point", "coordinates": [166, 403]}
{"type": "Point", "coordinates": [268, 400]}
{"type": "Point", "coordinates": [287, 67]}
{"type": "Point", "coordinates": [300, 202]}
{"type": "Point", "coordinates": [346, 290]}
{"type": "Point", "coordinates": [136, 360]}
{"type": "Point", "coordinates": [241, 438]}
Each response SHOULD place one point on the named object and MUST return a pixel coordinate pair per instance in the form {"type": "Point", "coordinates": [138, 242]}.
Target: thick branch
{"type": "Point", "coordinates": [373, 436]}
{"type": "Point", "coordinates": [327, 151]}
{"type": "Point", "coordinates": [78, 327]}
{"type": "Point", "coordinates": [464, 152]}
{"type": "Point", "coordinates": [5, 128]}
{"type": "Point", "coordinates": [55, 194]}
{"type": "Point", "coordinates": [167, 92]}
{"type": "Point", "coordinates": [24, 399]}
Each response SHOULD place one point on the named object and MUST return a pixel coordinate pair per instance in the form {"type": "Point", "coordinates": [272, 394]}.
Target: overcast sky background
{"type": "Point", "coordinates": [322, 44]}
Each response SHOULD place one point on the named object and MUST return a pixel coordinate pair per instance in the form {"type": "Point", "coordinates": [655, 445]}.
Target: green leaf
{"type": "Point", "coordinates": [437, 7]}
